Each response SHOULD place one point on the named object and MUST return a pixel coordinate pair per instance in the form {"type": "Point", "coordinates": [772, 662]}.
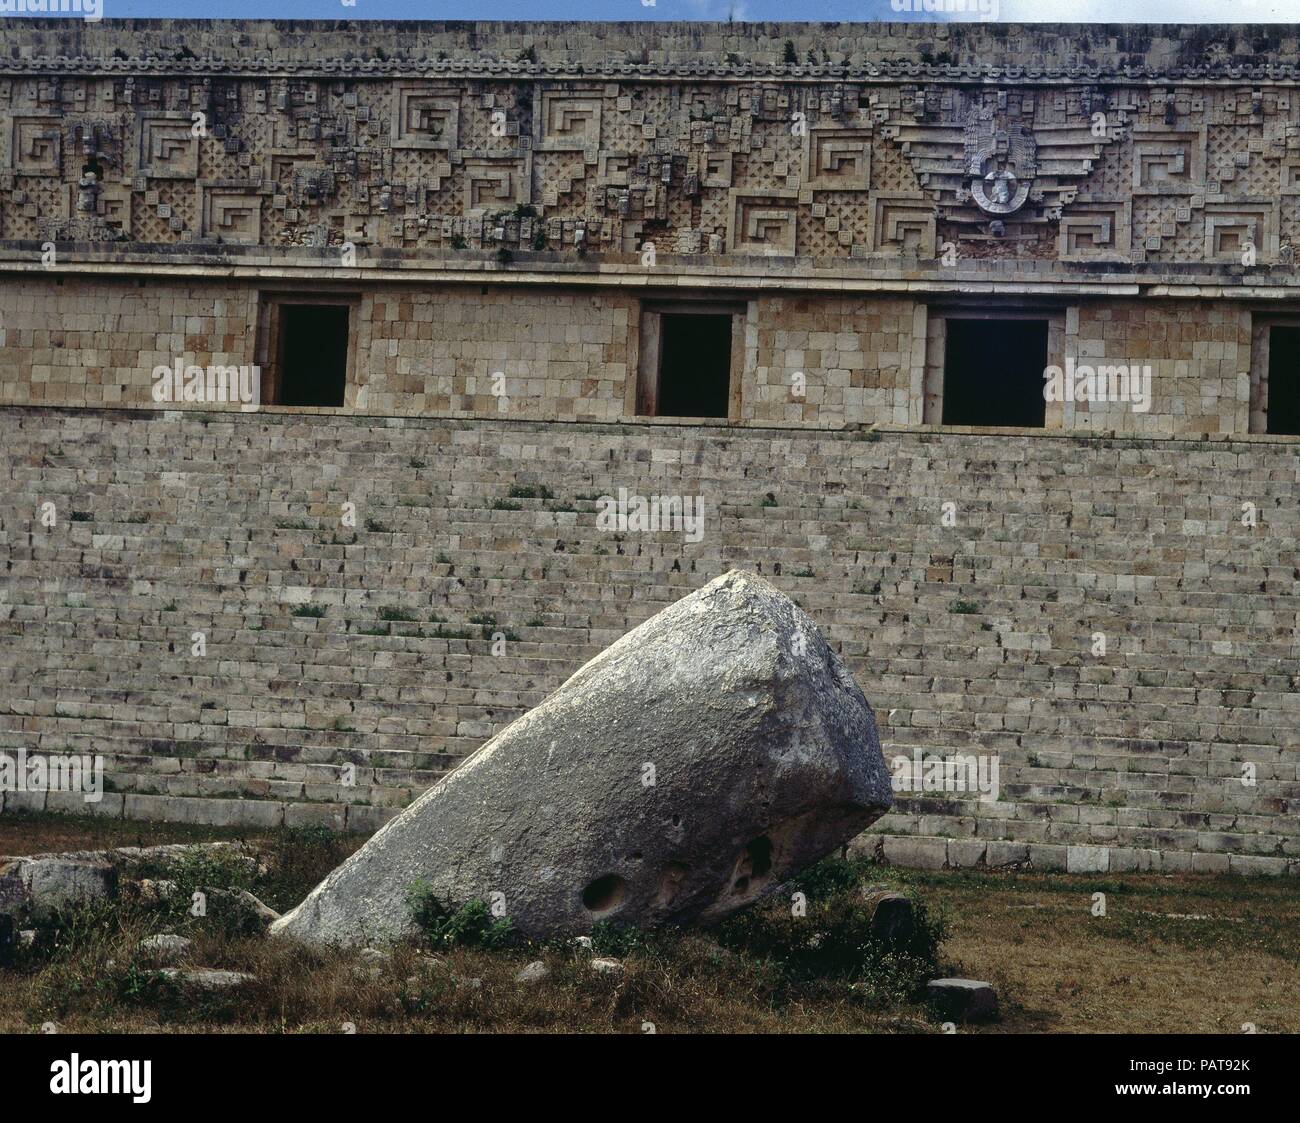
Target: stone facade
{"type": "Point", "coordinates": [507, 211]}
{"type": "Point", "coordinates": [570, 355]}
{"type": "Point", "coordinates": [163, 184]}
{"type": "Point", "coordinates": [1168, 147]}
{"type": "Point", "coordinates": [974, 637]}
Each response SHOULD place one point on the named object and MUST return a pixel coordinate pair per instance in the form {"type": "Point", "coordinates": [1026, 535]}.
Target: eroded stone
{"type": "Point", "coordinates": [963, 1000]}
{"type": "Point", "coordinates": [682, 774]}
{"type": "Point", "coordinates": [46, 883]}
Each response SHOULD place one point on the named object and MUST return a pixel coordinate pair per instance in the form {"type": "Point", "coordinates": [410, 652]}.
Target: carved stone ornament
{"type": "Point", "coordinates": [1000, 164]}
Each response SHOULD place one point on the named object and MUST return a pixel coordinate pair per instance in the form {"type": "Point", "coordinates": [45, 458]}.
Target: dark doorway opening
{"type": "Point", "coordinates": [313, 354]}
{"type": "Point", "coordinates": [694, 365]}
{"type": "Point", "coordinates": [993, 372]}
{"type": "Point", "coordinates": [1284, 381]}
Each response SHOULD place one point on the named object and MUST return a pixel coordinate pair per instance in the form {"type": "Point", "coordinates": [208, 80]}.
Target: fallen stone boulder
{"type": "Point", "coordinates": [40, 884]}
{"type": "Point", "coordinates": [136, 862]}
{"type": "Point", "coordinates": [250, 913]}
{"type": "Point", "coordinates": [535, 972]}
{"type": "Point", "coordinates": [893, 916]}
{"type": "Point", "coordinates": [150, 892]}
{"type": "Point", "coordinates": [686, 771]}
{"type": "Point", "coordinates": [47, 883]}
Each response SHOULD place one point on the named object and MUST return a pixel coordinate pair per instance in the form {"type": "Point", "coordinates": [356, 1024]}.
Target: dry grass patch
{"type": "Point", "coordinates": [767, 970]}
{"type": "Point", "coordinates": [1173, 954]}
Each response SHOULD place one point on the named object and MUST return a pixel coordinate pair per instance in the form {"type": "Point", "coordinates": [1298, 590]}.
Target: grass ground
{"type": "Point", "coordinates": [1171, 954]}
{"type": "Point", "coordinates": [1185, 954]}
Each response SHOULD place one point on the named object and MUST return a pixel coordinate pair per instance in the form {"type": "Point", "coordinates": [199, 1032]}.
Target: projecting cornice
{"type": "Point", "coordinates": [942, 52]}
{"type": "Point", "coordinates": [265, 265]}
{"type": "Point", "coordinates": [482, 67]}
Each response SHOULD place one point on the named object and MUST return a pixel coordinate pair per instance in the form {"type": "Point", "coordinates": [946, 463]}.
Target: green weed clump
{"type": "Point", "coordinates": [821, 934]}
{"type": "Point", "coordinates": [446, 925]}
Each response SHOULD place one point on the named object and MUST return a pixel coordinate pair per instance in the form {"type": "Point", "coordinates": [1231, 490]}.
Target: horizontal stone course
{"type": "Point", "coordinates": [340, 719]}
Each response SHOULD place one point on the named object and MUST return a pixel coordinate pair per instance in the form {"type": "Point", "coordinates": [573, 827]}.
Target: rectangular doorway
{"type": "Point", "coordinates": [311, 354]}
{"type": "Point", "coordinates": [1284, 381]}
{"type": "Point", "coordinates": [993, 372]}
{"type": "Point", "coordinates": [687, 366]}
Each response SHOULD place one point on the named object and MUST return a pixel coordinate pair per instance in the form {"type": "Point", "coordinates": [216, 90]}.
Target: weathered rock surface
{"type": "Point", "coordinates": [39, 884]}
{"type": "Point", "coordinates": [963, 1000]}
{"type": "Point", "coordinates": [166, 947]}
{"type": "Point", "coordinates": [683, 773]}
{"type": "Point", "coordinates": [535, 972]}
{"type": "Point", "coordinates": [206, 978]}
{"type": "Point", "coordinates": [893, 916]}
{"type": "Point", "coordinates": [46, 883]}
{"type": "Point", "coordinates": [254, 914]}
{"type": "Point", "coordinates": [148, 891]}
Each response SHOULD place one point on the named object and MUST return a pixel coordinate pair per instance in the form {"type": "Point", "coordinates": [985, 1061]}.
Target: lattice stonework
{"type": "Point", "coordinates": [891, 171]}
{"type": "Point", "coordinates": [835, 225]}
{"type": "Point", "coordinates": [829, 169]}
{"type": "Point", "coordinates": [28, 204]}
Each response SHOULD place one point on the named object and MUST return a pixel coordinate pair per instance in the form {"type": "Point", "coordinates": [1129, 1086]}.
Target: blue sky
{"type": "Point", "coordinates": [1070, 11]}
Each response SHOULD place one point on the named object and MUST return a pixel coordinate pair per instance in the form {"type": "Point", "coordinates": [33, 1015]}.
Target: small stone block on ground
{"type": "Point", "coordinates": [963, 1000]}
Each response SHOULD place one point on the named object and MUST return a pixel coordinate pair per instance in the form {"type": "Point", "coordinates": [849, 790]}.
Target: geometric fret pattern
{"type": "Point", "coordinates": [835, 170]}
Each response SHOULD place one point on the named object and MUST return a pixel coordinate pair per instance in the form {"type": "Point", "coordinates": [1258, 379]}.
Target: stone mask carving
{"type": "Point", "coordinates": [1000, 164]}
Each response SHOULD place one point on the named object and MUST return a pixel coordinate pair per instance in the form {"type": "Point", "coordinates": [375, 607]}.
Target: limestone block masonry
{"type": "Point", "coordinates": [347, 668]}
{"type": "Point", "coordinates": [297, 614]}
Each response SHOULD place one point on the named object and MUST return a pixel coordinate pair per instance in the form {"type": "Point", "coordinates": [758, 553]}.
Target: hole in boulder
{"type": "Point", "coordinates": [670, 883]}
{"type": "Point", "coordinates": [754, 863]}
{"type": "Point", "coordinates": [604, 894]}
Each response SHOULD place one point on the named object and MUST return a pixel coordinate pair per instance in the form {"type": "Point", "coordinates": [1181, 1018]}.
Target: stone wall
{"type": "Point", "coordinates": [573, 355]}
{"type": "Point", "coordinates": [96, 341]}
{"type": "Point", "coordinates": [346, 667]}
{"type": "Point", "coordinates": [521, 201]}
{"type": "Point", "coordinates": [901, 153]}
